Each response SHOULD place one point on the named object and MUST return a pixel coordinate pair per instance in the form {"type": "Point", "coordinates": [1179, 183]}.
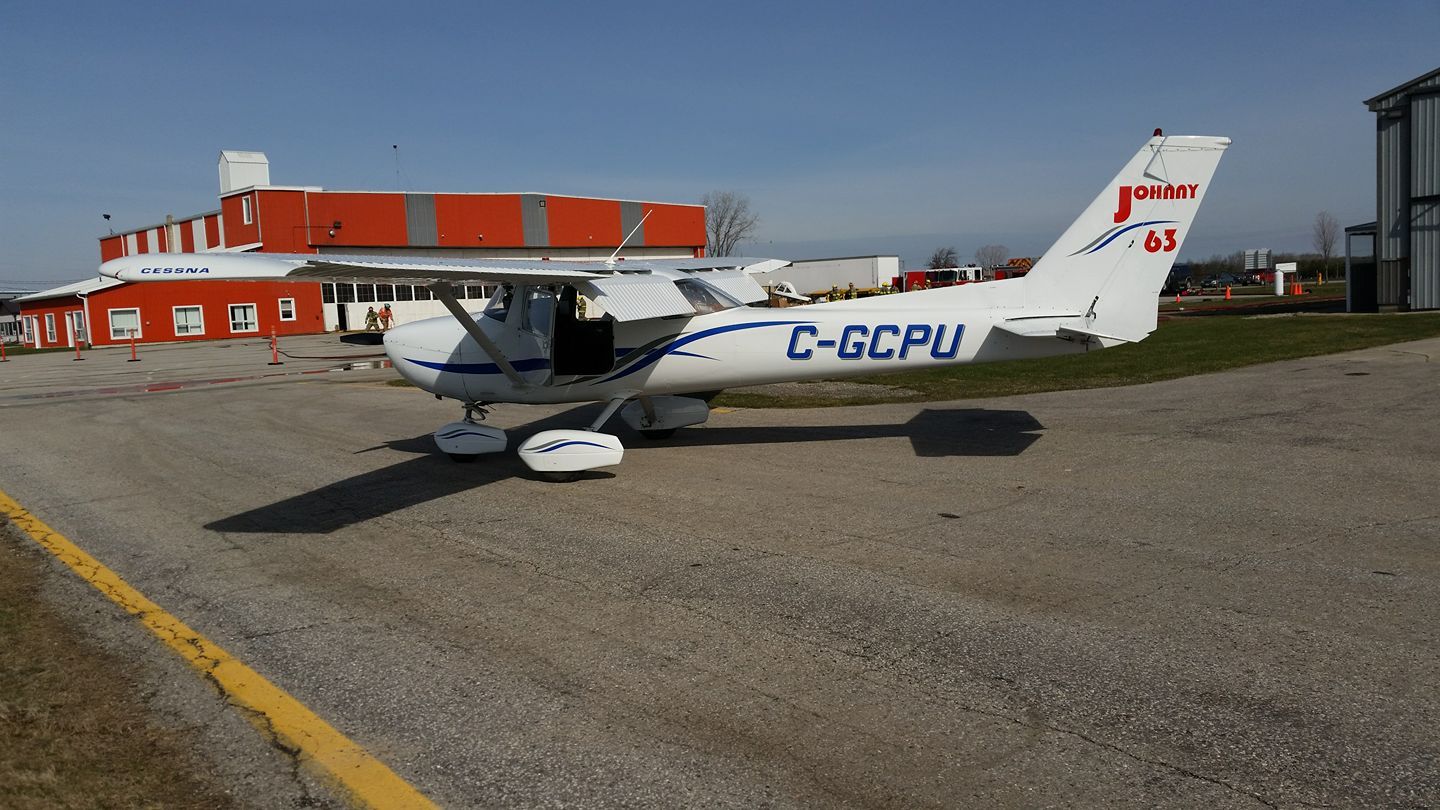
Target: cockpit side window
{"type": "Point", "coordinates": [704, 298]}
{"type": "Point", "coordinates": [539, 309]}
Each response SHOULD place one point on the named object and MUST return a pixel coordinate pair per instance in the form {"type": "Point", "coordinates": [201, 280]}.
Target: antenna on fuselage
{"type": "Point", "coordinates": [610, 262]}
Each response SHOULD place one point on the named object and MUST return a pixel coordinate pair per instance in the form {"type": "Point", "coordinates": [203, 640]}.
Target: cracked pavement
{"type": "Point", "coordinates": [1220, 591]}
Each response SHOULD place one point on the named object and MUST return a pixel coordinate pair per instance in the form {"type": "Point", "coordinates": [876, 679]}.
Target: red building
{"type": "Point", "coordinates": [256, 216]}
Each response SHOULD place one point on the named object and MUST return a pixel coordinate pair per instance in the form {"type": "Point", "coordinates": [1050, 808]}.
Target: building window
{"type": "Point", "coordinates": [246, 214]}
{"type": "Point", "coordinates": [287, 309]}
{"type": "Point", "coordinates": [404, 292]}
{"type": "Point", "coordinates": [327, 293]}
{"type": "Point", "coordinates": [189, 321]}
{"type": "Point", "coordinates": [75, 322]}
{"type": "Point", "coordinates": [384, 292]}
{"type": "Point", "coordinates": [476, 291]}
{"type": "Point", "coordinates": [345, 293]}
{"type": "Point", "coordinates": [124, 323]}
{"type": "Point", "coordinates": [32, 335]}
{"type": "Point", "coordinates": [242, 318]}
{"type": "Point", "coordinates": [364, 293]}
{"type": "Point", "coordinates": [50, 327]}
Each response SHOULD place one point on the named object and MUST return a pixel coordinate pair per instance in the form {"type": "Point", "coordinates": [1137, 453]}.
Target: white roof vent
{"type": "Point", "coordinates": [243, 169]}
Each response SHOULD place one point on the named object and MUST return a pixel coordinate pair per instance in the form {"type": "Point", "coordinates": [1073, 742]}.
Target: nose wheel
{"type": "Point", "coordinates": [467, 440]}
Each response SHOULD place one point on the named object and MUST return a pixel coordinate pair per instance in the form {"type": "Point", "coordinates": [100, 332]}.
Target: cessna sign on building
{"type": "Point", "coordinates": [255, 216]}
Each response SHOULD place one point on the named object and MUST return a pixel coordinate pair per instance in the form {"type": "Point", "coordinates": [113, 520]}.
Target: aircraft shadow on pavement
{"type": "Point", "coordinates": [932, 433]}
{"type": "Point", "coordinates": [432, 475]}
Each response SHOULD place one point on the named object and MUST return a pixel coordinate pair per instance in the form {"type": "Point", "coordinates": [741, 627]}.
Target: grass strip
{"type": "Point", "coordinates": [1179, 348]}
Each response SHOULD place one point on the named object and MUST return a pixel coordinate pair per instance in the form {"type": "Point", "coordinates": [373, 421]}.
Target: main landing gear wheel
{"type": "Point", "coordinates": [658, 417]}
{"type": "Point", "coordinates": [562, 455]}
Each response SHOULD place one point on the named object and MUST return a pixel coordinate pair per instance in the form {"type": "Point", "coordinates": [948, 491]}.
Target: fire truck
{"type": "Point", "coordinates": [943, 277]}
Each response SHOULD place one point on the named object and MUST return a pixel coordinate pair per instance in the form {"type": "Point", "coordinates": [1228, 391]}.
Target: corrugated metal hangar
{"type": "Point", "coordinates": [1406, 230]}
{"type": "Point", "coordinates": [256, 216]}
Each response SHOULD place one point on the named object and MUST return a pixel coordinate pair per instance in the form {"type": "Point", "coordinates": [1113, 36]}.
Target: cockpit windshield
{"type": "Point", "coordinates": [704, 298]}
{"type": "Point", "coordinates": [499, 306]}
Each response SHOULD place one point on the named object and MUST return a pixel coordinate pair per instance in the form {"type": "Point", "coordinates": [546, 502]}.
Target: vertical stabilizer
{"type": "Point", "coordinates": [1111, 263]}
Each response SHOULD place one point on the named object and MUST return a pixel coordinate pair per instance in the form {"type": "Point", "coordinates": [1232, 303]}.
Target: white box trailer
{"type": "Point", "coordinates": [812, 276]}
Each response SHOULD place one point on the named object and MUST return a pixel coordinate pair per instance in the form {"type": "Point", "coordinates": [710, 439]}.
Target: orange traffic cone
{"type": "Point", "coordinates": [1177, 298]}
{"type": "Point", "coordinates": [1227, 292]}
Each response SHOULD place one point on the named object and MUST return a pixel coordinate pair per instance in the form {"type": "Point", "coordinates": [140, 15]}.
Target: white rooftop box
{"type": "Point", "coordinates": [243, 169]}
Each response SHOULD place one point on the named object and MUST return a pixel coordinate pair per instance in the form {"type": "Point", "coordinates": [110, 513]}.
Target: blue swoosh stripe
{"type": "Point", "coordinates": [654, 355]}
{"type": "Point", "coordinates": [532, 364]}
{"type": "Point", "coordinates": [1116, 235]}
{"type": "Point", "coordinates": [573, 441]}
{"type": "Point", "coordinates": [458, 433]}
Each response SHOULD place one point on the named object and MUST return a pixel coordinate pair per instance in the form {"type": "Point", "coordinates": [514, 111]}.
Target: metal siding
{"type": "Point", "coordinates": [1425, 256]}
{"type": "Point", "coordinates": [632, 214]}
{"type": "Point", "coordinates": [1387, 283]}
{"type": "Point", "coordinates": [1399, 97]}
{"type": "Point", "coordinates": [1390, 189]}
{"type": "Point", "coordinates": [535, 219]}
{"type": "Point", "coordinates": [1425, 146]}
{"type": "Point", "coordinates": [1425, 215]}
{"type": "Point", "coordinates": [420, 220]}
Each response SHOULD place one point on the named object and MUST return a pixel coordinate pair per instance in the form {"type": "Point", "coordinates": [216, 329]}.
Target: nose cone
{"type": "Point", "coordinates": [407, 348]}
{"type": "Point", "coordinates": [397, 338]}
{"type": "Point", "coordinates": [424, 352]}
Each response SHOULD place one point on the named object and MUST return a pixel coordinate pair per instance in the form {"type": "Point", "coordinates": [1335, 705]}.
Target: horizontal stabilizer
{"type": "Point", "coordinates": [1044, 325]}
{"type": "Point", "coordinates": [1068, 326]}
{"type": "Point", "coordinates": [1067, 331]}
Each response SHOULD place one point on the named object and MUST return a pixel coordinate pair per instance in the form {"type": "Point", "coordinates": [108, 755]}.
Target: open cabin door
{"type": "Point", "coordinates": [580, 346]}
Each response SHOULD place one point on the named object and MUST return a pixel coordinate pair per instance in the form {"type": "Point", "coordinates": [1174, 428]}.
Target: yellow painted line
{"type": "Point", "coordinates": [317, 743]}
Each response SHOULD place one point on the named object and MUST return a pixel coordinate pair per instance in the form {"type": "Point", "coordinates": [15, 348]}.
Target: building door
{"type": "Point", "coordinates": [342, 317]}
{"type": "Point", "coordinates": [75, 326]}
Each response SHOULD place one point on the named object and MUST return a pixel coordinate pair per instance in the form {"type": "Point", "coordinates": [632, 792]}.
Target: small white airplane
{"type": "Point", "coordinates": [674, 332]}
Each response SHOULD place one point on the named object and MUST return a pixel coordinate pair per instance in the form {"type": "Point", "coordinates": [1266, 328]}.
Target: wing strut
{"type": "Point", "coordinates": [446, 295]}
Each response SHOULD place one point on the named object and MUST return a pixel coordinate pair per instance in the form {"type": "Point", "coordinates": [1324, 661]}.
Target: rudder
{"type": "Point", "coordinates": [1110, 264]}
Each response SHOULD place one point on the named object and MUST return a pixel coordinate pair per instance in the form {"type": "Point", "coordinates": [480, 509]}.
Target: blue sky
{"type": "Point", "coordinates": [853, 127]}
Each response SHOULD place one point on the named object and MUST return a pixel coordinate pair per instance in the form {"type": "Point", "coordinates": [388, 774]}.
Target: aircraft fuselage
{"type": "Point", "coordinates": [735, 347]}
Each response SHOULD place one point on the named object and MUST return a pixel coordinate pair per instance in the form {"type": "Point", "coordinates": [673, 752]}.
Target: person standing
{"type": "Point", "coordinates": [386, 316]}
{"type": "Point", "coordinates": [372, 320]}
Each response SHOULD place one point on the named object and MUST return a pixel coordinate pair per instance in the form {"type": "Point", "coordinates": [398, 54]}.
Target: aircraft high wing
{"type": "Point", "coordinates": [655, 332]}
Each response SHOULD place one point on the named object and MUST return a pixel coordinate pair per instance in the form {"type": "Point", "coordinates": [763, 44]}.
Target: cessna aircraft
{"type": "Point", "coordinates": [657, 338]}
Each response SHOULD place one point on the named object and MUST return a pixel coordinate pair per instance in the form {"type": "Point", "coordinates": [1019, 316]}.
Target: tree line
{"type": "Point", "coordinates": [730, 220]}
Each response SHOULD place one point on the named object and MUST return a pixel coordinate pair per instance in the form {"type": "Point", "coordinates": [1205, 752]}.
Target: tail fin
{"type": "Point", "coordinates": [1111, 263]}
